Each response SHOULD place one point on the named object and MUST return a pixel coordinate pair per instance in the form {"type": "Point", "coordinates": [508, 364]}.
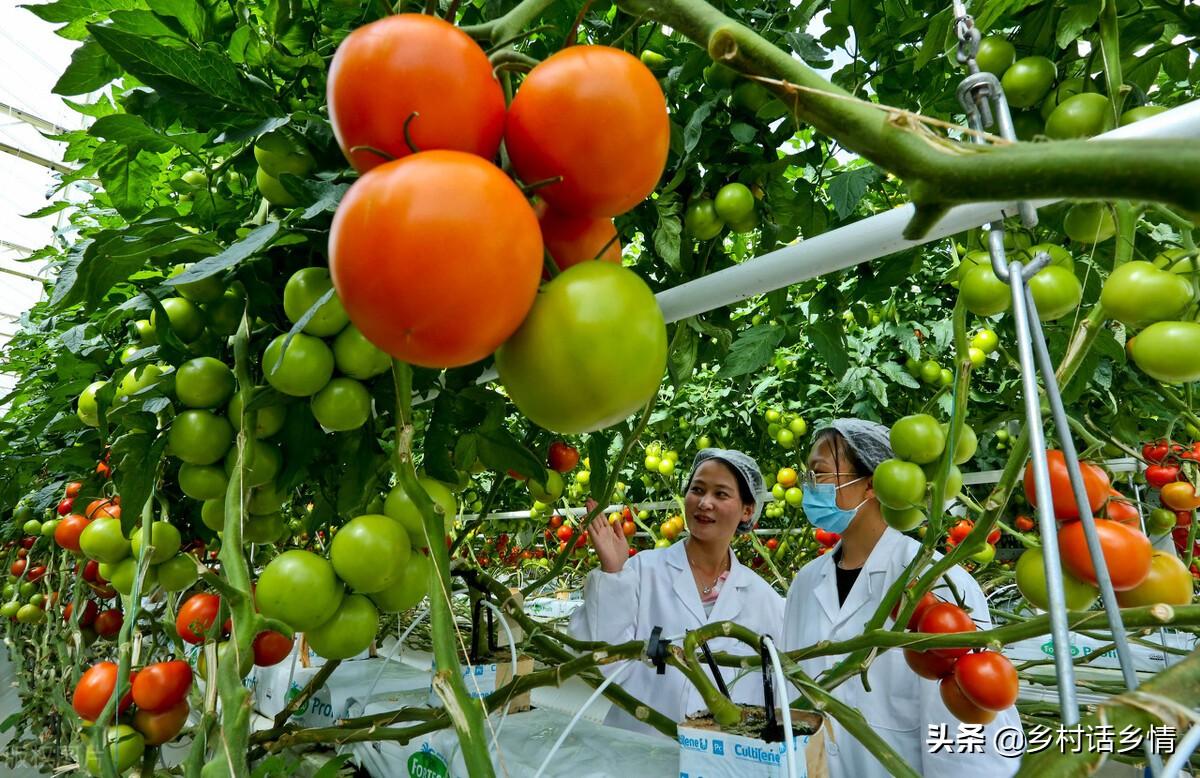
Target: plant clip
{"type": "Point", "coordinates": [657, 649]}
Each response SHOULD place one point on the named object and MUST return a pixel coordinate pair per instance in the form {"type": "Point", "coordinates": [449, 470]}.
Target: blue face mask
{"type": "Point", "coordinates": [821, 508]}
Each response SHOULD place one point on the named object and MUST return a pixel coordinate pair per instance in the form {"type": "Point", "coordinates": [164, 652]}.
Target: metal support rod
{"type": "Point", "coordinates": [57, 167]}
{"type": "Point", "coordinates": [30, 119]}
{"type": "Point", "coordinates": [1060, 635]}
{"type": "Point", "coordinates": [866, 239]}
{"type": "Point", "coordinates": [1066, 443]}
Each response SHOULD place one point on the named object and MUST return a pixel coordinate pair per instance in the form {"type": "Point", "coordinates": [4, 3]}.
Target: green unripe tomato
{"type": "Point", "coordinates": [702, 220]}
{"type": "Point", "coordinates": [281, 151]}
{"type": "Point", "coordinates": [302, 291]}
{"type": "Point", "coordinates": [995, 55]}
{"type": "Point", "coordinates": [1028, 81]}
{"type": "Point", "coordinates": [272, 190]}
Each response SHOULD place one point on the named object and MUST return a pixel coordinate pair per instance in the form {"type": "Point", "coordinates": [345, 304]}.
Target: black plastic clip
{"type": "Point", "coordinates": [772, 731]}
{"type": "Point", "coordinates": [657, 650]}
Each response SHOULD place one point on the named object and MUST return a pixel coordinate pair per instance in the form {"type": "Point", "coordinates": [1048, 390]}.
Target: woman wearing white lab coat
{"type": "Point", "coordinates": [682, 587]}
{"type": "Point", "coordinates": [834, 596]}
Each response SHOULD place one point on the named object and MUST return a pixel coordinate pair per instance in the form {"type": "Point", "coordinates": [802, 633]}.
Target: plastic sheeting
{"type": "Point", "coordinates": [590, 751]}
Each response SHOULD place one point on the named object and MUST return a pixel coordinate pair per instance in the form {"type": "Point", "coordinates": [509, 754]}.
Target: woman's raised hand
{"type": "Point", "coordinates": [609, 541]}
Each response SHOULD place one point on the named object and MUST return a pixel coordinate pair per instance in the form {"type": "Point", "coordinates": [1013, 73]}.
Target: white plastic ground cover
{"type": "Point", "coordinates": [344, 691]}
{"type": "Point", "coordinates": [590, 751]}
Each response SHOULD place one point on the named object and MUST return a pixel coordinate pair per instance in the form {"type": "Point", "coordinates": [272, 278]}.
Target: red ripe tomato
{"type": "Point", "coordinates": [162, 685]}
{"type": "Point", "coordinates": [1159, 476]}
{"type": "Point", "coordinates": [928, 665]}
{"type": "Point", "coordinates": [960, 530]}
{"type": "Point", "coordinates": [99, 509]}
{"type": "Point", "coordinates": [387, 70]}
{"type": "Point", "coordinates": [1183, 518]}
{"type": "Point", "coordinates": [562, 457]}
{"type": "Point", "coordinates": [103, 470]}
{"type": "Point", "coordinates": [629, 528]}
{"type": "Point", "coordinates": [958, 704]}
{"type": "Point", "coordinates": [87, 618]}
{"type": "Point", "coordinates": [95, 688]}
{"type": "Point", "coordinates": [271, 647]}
{"type": "Point", "coordinates": [581, 541]}
{"type": "Point", "coordinates": [108, 623]}
{"type": "Point", "coordinates": [556, 521]}
{"type": "Point", "coordinates": [196, 617]}
{"type": "Point", "coordinates": [1095, 482]}
{"type": "Point", "coordinates": [436, 257]}
{"type": "Point", "coordinates": [18, 567]}
{"type": "Point", "coordinates": [945, 617]}
{"type": "Point", "coordinates": [36, 573]}
{"type": "Point", "coordinates": [928, 600]}
{"type": "Point", "coordinates": [1121, 510]}
{"type": "Point", "coordinates": [66, 534]}
{"type": "Point", "coordinates": [1155, 453]}
{"type": "Point", "coordinates": [772, 544]}
{"type": "Point", "coordinates": [91, 572]}
{"type": "Point", "coordinates": [987, 679]}
{"type": "Point", "coordinates": [27, 542]}
{"type": "Point", "coordinates": [73, 489]}
{"type": "Point", "coordinates": [1024, 524]}
{"type": "Point", "coordinates": [574, 239]}
{"type": "Point", "coordinates": [595, 116]}
{"type": "Point", "coordinates": [160, 727]}
{"type": "Point", "coordinates": [1180, 496]}
{"type": "Point", "coordinates": [993, 537]}
{"type": "Point", "coordinates": [565, 532]}
{"type": "Point", "coordinates": [1126, 551]}
{"type": "Point", "coordinates": [64, 506]}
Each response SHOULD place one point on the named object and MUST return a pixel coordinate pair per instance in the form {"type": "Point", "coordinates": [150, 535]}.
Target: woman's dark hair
{"type": "Point", "coordinates": [841, 449]}
{"type": "Point", "coordinates": [744, 493]}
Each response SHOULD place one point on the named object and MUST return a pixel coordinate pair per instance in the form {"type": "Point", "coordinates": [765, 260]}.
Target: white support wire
{"type": "Point", "coordinates": [789, 745]}
{"type": "Point", "coordinates": [579, 713]}
{"type": "Point", "coordinates": [512, 645]}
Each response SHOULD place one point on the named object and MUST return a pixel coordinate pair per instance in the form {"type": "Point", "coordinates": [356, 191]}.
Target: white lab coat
{"type": "Point", "coordinates": [656, 588]}
{"type": "Point", "coordinates": [901, 705]}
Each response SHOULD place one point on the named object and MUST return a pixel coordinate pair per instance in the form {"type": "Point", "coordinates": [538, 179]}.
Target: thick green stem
{"type": "Point", "coordinates": [237, 704]}
{"type": "Point", "coordinates": [1110, 47]}
{"type": "Point", "coordinates": [466, 713]}
{"type": "Point", "coordinates": [513, 22]}
{"type": "Point", "coordinates": [551, 642]}
{"type": "Point", "coordinates": [942, 173]}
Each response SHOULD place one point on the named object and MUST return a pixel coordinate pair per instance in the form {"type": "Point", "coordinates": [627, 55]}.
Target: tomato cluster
{"type": "Point", "coordinates": [901, 483]}
{"type": "Point", "coordinates": [1156, 299]}
{"type": "Point", "coordinates": [437, 254]}
{"type": "Point", "coordinates": [974, 685]}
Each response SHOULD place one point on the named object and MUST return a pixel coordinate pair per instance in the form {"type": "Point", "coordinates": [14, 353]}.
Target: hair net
{"type": "Point", "coordinates": [747, 472]}
{"type": "Point", "coordinates": [867, 439]}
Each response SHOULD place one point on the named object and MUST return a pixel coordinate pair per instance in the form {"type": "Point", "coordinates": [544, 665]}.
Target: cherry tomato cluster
{"type": "Point", "coordinates": [974, 685]}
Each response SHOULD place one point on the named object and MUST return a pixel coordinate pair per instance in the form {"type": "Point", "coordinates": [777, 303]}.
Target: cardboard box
{"type": "Point", "coordinates": [705, 751]}
{"type": "Point", "coordinates": [490, 674]}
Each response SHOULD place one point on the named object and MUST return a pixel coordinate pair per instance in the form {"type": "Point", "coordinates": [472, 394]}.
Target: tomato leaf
{"type": "Point", "coordinates": [751, 351]}
{"type": "Point", "coordinates": [91, 69]}
{"type": "Point", "coordinates": [249, 246]}
{"type": "Point", "coordinates": [847, 188]}
{"type": "Point", "coordinates": [500, 451]}
{"type": "Point", "coordinates": [667, 232]}
{"type": "Point", "coordinates": [695, 125]}
{"type": "Point", "coordinates": [898, 374]}
{"type": "Point", "coordinates": [1075, 19]}
{"type": "Point", "coordinates": [202, 79]}
{"type": "Point", "coordinates": [135, 459]}
{"type": "Point", "coordinates": [808, 49]}
{"type": "Point", "coordinates": [332, 767]}
{"type": "Point", "coordinates": [830, 342]}
{"type": "Point", "coordinates": [128, 176]}
{"type": "Point", "coordinates": [743, 132]}
{"type": "Point", "coordinates": [598, 445]}
{"type": "Point", "coordinates": [937, 38]}
{"type": "Point", "coordinates": [362, 456]}
{"type": "Point", "coordinates": [188, 14]}
{"type": "Point", "coordinates": [681, 357]}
